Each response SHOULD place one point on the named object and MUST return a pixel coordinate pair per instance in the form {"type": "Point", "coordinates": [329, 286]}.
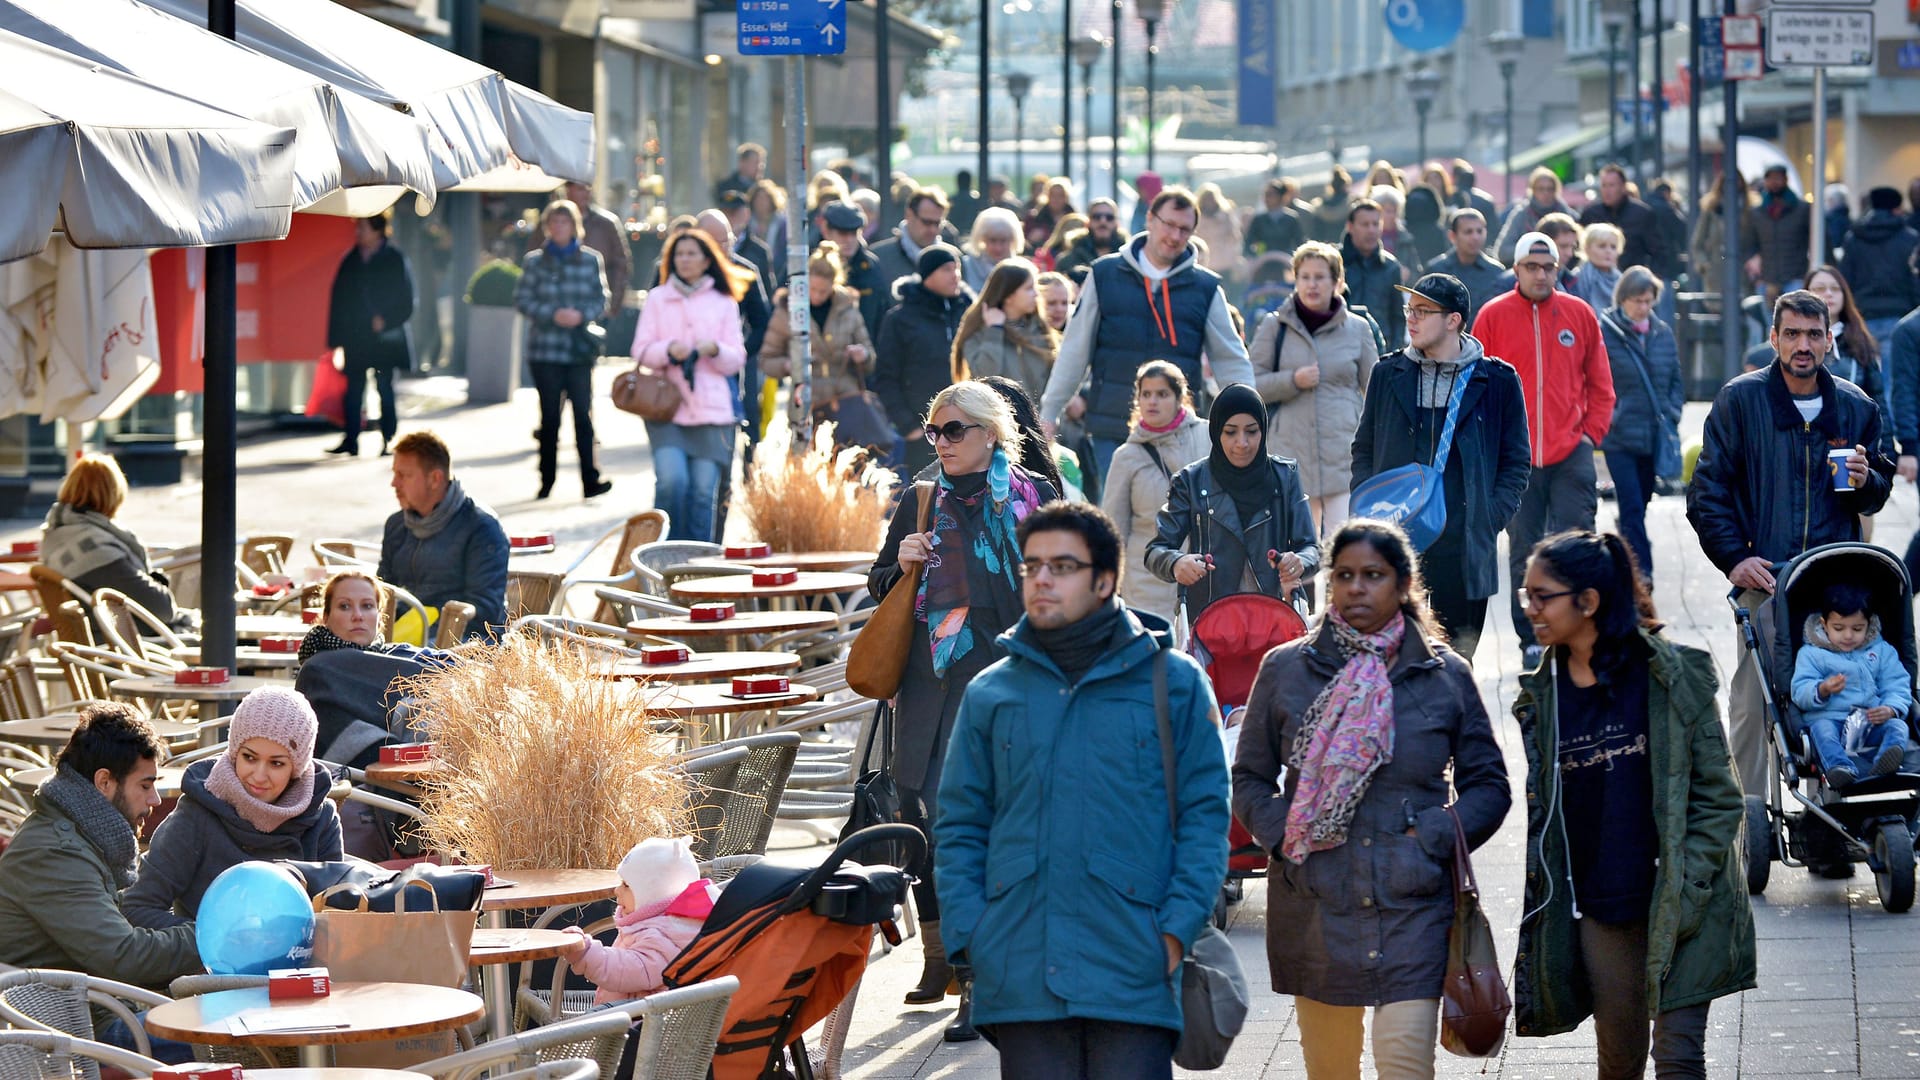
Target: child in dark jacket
{"type": "Point", "coordinates": [1852, 689]}
{"type": "Point", "coordinates": [661, 903]}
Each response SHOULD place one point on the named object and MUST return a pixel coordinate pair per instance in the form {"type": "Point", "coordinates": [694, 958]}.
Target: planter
{"type": "Point", "coordinates": [493, 354]}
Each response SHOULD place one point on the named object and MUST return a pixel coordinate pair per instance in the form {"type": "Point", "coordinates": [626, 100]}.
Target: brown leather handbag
{"type": "Point", "coordinates": [878, 658]}
{"type": "Point", "coordinates": [646, 394]}
{"type": "Point", "coordinates": [1474, 1003]}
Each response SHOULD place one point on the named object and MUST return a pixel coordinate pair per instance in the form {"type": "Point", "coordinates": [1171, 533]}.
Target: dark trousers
{"type": "Point", "coordinates": [917, 808]}
{"type": "Point", "coordinates": [1085, 1050]}
{"type": "Point", "coordinates": [1461, 616]}
{"type": "Point", "coordinates": [1614, 957]}
{"type": "Point", "coordinates": [1632, 490]}
{"type": "Point", "coordinates": [354, 402]}
{"type": "Point", "coordinates": [557, 383]}
{"type": "Point", "coordinates": [1559, 496]}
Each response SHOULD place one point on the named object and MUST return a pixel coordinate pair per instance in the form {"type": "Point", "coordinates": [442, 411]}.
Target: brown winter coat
{"type": "Point", "coordinates": [834, 376]}
{"type": "Point", "coordinates": [1314, 427]}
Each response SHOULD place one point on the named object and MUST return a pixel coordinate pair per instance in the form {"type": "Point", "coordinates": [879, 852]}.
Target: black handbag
{"type": "Point", "coordinates": [454, 888]}
{"type": "Point", "coordinates": [587, 343]}
{"type": "Point", "coordinates": [876, 798]}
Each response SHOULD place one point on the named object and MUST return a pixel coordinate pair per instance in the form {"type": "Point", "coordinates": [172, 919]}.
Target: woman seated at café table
{"type": "Point", "coordinates": [82, 541]}
{"type": "Point", "coordinates": [347, 671]}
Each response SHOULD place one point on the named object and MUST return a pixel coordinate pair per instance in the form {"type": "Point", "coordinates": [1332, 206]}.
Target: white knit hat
{"type": "Point", "coordinates": [659, 869]}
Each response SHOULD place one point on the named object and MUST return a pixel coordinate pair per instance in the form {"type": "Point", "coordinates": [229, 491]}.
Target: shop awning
{"type": "Point", "coordinates": [485, 121]}
{"type": "Point", "coordinates": [346, 142]}
{"type": "Point", "coordinates": [119, 163]}
{"type": "Point", "coordinates": [1571, 143]}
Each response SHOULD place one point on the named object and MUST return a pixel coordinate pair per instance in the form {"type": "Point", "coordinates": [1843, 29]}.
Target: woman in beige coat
{"type": "Point", "coordinates": [1312, 358]}
{"type": "Point", "coordinates": [1167, 437]}
{"type": "Point", "coordinates": [842, 352]}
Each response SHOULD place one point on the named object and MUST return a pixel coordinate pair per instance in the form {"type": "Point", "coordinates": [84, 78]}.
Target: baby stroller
{"type": "Point", "coordinates": [1872, 820]}
{"type": "Point", "coordinates": [797, 939]}
{"type": "Point", "coordinates": [1229, 639]}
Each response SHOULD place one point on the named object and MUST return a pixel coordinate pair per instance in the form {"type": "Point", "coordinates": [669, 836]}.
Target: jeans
{"type": "Point", "coordinates": [1829, 735]}
{"type": "Point", "coordinates": [354, 403]}
{"type": "Point", "coordinates": [557, 384]}
{"type": "Point", "coordinates": [1632, 490]}
{"type": "Point", "coordinates": [1405, 1034]}
{"type": "Point", "coordinates": [1614, 957]}
{"type": "Point", "coordinates": [686, 488]}
{"type": "Point", "coordinates": [1558, 496]}
{"type": "Point", "coordinates": [173, 1053]}
{"type": "Point", "coordinates": [1085, 1050]}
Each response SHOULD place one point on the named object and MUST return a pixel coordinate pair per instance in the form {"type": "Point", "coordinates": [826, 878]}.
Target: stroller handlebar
{"type": "Point", "coordinates": [873, 834]}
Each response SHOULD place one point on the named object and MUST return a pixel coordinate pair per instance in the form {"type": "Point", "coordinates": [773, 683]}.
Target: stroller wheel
{"type": "Point", "coordinates": [1235, 890]}
{"type": "Point", "coordinates": [1220, 910]}
{"type": "Point", "coordinates": [1893, 866]}
{"type": "Point", "coordinates": [1759, 845]}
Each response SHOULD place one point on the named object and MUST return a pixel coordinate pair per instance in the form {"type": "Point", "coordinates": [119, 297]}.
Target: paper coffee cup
{"type": "Point", "coordinates": [1837, 465]}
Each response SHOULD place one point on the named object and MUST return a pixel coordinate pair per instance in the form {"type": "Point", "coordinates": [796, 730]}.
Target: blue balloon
{"type": "Point", "coordinates": [254, 917]}
{"type": "Point", "coordinates": [1425, 25]}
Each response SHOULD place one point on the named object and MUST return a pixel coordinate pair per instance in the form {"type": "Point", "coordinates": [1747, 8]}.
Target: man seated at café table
{"type": "Point", "coordinates": [61, 878]}
{"type": "Point", "coordinates": [441, 544]}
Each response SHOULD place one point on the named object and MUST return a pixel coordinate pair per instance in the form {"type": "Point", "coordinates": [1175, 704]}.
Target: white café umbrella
{"type": "Point", "coordinates": [77, 335]}
{"type": "Point", "coordinates": [345, 141]}
{"type": "Point", "coordinates": [118, 163]}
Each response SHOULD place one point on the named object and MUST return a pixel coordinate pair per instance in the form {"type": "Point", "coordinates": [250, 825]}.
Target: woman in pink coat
{"type": "Point", "coordinates": [690, 328]}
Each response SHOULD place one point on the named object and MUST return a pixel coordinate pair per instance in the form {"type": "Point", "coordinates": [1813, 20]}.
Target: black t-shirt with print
{"type": "Point", "coordinates": [1606, 794]}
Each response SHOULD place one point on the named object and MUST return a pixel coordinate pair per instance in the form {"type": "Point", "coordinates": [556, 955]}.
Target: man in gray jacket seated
{"type": "Point", "coordinates": [441, 544]}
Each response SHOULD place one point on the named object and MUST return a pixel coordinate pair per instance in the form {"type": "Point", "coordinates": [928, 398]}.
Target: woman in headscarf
{"type": "Point", "coordinates": [968, 597]}
{"type": "Point", "coordinates": [1354, 740]}
{"type": "Point", "coordinates": [1237, 521]}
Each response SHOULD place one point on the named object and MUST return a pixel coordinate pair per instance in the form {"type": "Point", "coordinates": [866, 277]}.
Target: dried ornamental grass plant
{"type": "Point", "coordinates": [817, 500]}
{"type": "Point", "coordinates": [547, 766]}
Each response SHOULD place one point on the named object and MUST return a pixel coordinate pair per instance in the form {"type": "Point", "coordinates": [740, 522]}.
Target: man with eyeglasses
{"type": "Point", "coordinates": [1072, 879]}
{"type": "Point", "coordinates": [1487, 463]}
{"type": "Point", "coordinates": [1151, 300]}
{"type": "Point", "coordinates": [899, 254]}
{"type": "Point", "coordinates": [1103, 237]}
{"type": "Point", "coordinates": [1552, 339]}
{"type": "Point", "coordinates": [1763, 491]}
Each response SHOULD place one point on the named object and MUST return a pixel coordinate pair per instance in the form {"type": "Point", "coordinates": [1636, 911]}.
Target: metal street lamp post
{"type": "Point", "coordinates": [1506, 47]}
{"type": "Point", "coordinates": [1614, 18]}
{"type": "Point", "coordinates": [1113, 151]}
{"type": "Point", "coordinates": [1150, 12]}
{"type": "Point", "coordinates": [1018, 83]}
{"type": "Point", "coordinates": [1066, 91]}
{"type": "Point", "coordinates": [1086, 53]}
{"type": "Point", "coordinates": [1423, 84]}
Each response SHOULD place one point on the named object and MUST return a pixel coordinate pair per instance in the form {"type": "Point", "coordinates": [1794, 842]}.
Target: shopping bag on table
{"type": "Point", "coordinates": [361, 945]}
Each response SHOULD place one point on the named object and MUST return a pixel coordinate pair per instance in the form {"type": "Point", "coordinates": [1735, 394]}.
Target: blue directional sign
{"type": "Point", "coordinates": [1425, 25]}
{"type": "Point", "coordinates": [793, 27]}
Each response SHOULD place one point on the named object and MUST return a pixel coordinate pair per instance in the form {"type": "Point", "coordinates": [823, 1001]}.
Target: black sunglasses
{"type": "Point", "coordinates": [953, 431]}
{"type": "Point", "coordinates": [1100, 217]}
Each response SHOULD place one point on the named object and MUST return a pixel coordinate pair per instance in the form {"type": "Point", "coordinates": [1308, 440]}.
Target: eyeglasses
{"type": "Point", "coordinates": [1415, 314]}
{"type": "Point", "coordinates": [1177, 230]}
{"type": "Point", "coordinates": [953, 431]}
{"type": "Point", "coordinates": [931, 223]}
{"type": "Point", "coordinates": [1065, 566]}
{"type": "Point", "coordinates": [1537, 267]}
{"type": "Point", "coordinates": [1535, 601]}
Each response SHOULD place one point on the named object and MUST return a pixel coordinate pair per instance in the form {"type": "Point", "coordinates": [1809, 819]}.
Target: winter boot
{"type": "Point", "coordinates": [962, 1029]}
{"type": "Point", "coordinates": [936, 978]}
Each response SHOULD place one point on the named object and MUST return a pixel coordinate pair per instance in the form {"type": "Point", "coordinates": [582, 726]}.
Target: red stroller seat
{"type": "Point", "coordinates": [1230, 638]}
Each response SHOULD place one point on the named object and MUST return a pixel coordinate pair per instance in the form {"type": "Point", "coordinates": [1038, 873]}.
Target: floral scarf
{"type": "Point", "coordinates": [1346, 734]}
{"type": "Point", "coordinates": [944, 601]}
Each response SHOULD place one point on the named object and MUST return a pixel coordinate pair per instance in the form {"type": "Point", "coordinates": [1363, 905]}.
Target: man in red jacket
{"type": "Point", "coordinates": [1553, 340]}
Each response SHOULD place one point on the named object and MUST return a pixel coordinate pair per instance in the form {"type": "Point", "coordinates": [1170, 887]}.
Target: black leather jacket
{"type": "Point", "coordinates": [1199, 518]}
{"type": "Point", "coordinates": [1761, 486]}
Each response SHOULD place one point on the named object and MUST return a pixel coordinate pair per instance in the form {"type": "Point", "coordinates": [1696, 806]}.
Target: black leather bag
{"type": "Point", "coordinates": [588, 343]}
{"type": "Point", "coordinates": [876, 798]}
{"type": "Point", "coordinates": [456, 889]}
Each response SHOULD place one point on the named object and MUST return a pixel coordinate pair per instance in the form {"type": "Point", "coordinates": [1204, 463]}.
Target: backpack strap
{"type": "Point", "coordinates": [1154, 453]}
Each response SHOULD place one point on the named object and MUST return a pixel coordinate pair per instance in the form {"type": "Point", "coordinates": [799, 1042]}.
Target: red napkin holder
{"type": "Point", "coordinates": [281, 643]}
{"type": "Point", "coordinates": [745, 685]}
{"type": "Point", "coordinates": [292, 984]}
{"type": "Point", "coordinates": [201, 1070]}
{"type": "Point", "coordinates": [748, 551]}
{"type": "Point", "coordinates": [716, 612]}
{"type": "Point", "coordinates": [310, 615]}
{"type": "Point", "coordinates": [267, 591]}
{"type": "Point", "coordinates": [26, 547]}
{"type": "Point", "coordinates": [406, 753]}
{"type": "Point", "coordinates": [201, 676]}
{"type": "Point", "coordinates": [531, 540]}
{"type": "Point", "coordinates": [664, 654]}
{"type": "Point", "coordinates": [776, 575]}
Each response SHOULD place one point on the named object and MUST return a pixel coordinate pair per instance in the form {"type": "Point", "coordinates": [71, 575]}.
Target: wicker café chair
{"type": "Point", "coordinates": [599, 1038]}
{"type": "Point", "coordinates": [45, 999]}
{"type": "Point", "coordinates": [51, 1055]}
{"type": "Point", "coordinates": [678, 1028]}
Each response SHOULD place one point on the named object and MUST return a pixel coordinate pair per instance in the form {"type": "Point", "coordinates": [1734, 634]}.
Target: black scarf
{"type": "Point", "coordinates": [320, 639]}
{"type": "Point", "coordinates": [1252, 486]}
{"type": "Point", "coordinates": [99, 821]}
{"type": "Point", "coordinates": [1076, 647]}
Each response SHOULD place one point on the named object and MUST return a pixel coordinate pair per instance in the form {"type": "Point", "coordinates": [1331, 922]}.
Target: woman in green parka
{"type": "Point", "coordinates": [1636, 910]}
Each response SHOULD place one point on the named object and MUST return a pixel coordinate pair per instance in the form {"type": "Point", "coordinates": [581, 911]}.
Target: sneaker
{"type": "Point", "coordinates": [1887, 762]}
{"type": "Point", "coordinates": [1841, 776]}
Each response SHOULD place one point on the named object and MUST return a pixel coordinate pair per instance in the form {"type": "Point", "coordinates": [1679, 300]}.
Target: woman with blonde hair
{"type": "Point", "coordinates": [995, 239]}
{"type": "Point", "coordinates": [82, 541]}
{"type": "Point", "coordinates": [1003, 332]}
{"type": "Point", "coordinates": [968, 597]}
{"type": "Point", "coordinates": [1066, 232]}
{"type": "Point", "coordinates": [1599, 272]}
{"type": "Point", "coordinates": [842, 351]}
{"type": "Point", "coordinates": [1219, 229]}
{"type": "Point", "coordinates": [1054, 205]}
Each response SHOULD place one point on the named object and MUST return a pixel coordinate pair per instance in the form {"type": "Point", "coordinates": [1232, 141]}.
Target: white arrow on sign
{"type": "Point", "coordinates": [829, 4]}
{"type": "Point", "coordinates": [828, 32]}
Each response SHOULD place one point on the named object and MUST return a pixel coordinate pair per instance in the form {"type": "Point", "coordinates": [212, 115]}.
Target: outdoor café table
{"type": "Point", "coordinates": [247, 658]}
{"type": "Point", "coordinates": [493, 950]}
{"type": "Point", "coordinates": [370, 1012]}
{"type": "Point", "coordinates": [524, 889]}
{"type": "Point", "coordinates": [166, 785]}
{"type": "Point", "coordinates": [55, 728]}
{"type": "Point", "coordinates": [743, 624]}
{"type": "Point", "coordinates": [209, 695]}
{"type": "Point", "coordinates": [703, 667]}
{"type": "Point", "coordinates": [333, 1072]}
{"type": "Point", "coordinates": [255, 627]}
{"type": "Point", "coordinates": [12, 582]}
{"type": "Point", "coordinates": [802, 560]}
{"type": "Point", "coordinates": [402, 776]}
{"type": "Point", "coordinates": [740, 587]}
{"type": "Point", "coordinates": [688, 702]}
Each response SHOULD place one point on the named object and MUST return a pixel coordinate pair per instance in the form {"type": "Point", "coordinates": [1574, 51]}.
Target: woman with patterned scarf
{"type": "Point", "coordinates": [969, 594]}
{"type": "Point", "coordinates": [1366, 713]}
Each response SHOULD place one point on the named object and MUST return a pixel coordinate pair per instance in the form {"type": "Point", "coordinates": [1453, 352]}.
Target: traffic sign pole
{"type": "Point", "coordinates": [797, 282]}
{"type": "Point", "coordinates": [1817, 191]}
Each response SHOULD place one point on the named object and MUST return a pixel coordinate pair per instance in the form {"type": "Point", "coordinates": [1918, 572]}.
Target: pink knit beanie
{"type": "Point", "coordinates": [278, 714]}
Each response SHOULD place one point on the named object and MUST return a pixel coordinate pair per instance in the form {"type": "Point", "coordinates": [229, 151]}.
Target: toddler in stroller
{"type": "Point", "coordinates": [662, 901]}
{"type": "Point", "coordinates": [1848, 682]}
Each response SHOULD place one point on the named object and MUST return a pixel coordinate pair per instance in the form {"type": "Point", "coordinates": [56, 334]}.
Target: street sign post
{"type": "Point", "coordinates": [793, 27]}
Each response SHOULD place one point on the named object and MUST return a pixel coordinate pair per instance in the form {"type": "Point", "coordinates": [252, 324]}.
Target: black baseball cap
{"type": "Point", "coordinates": [845, 216]}
{"type": "Point", "coordinates": [1443, 291]}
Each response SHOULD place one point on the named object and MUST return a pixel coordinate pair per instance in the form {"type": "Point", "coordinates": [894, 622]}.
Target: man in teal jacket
{"type": "Point", "coordinates": [1064, 886]}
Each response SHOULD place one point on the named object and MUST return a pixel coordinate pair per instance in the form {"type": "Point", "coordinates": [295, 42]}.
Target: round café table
{"type": "Point", "coordinates": [683, 702]}
{"type": "Point", "coordinates": [703, 667]}
{"type": "Point", "coordinates": [370, 1012]}
{"type": "Point", "coordinates": [55, 728]}
{"type": "Point", "coordinates": [402, 776]}
{"type": "Point", "coordinates": [743, 624]}
{"type": "Point", "coordinates": [740, 587]}
{"type": "Point", "coordinates": [522, 889]}
{"type": "Point", "coordinates": [800, 560]}
{"type": "Point", "coordinates": [332, 1072]}
{"type": "Point", "coordinates": [210, 695]}
{"type": "Point", "coordinates": [255, 627]}
{"type": "Point", "coordinates": [166, 785]}
{"type": "Point", "coordinates": [247, 658]}
{"type": "Point", "coordinates": [493, 950]}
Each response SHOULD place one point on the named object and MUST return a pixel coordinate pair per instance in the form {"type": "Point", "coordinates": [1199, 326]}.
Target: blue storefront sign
{"type": "Point", "coordinates": [1425, 25]}
{"type": "Point", "coordinates": [792, 27]}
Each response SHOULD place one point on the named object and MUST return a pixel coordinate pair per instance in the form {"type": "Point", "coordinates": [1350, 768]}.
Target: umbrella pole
{"type": "Point", "coordinates": [217, 505]}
